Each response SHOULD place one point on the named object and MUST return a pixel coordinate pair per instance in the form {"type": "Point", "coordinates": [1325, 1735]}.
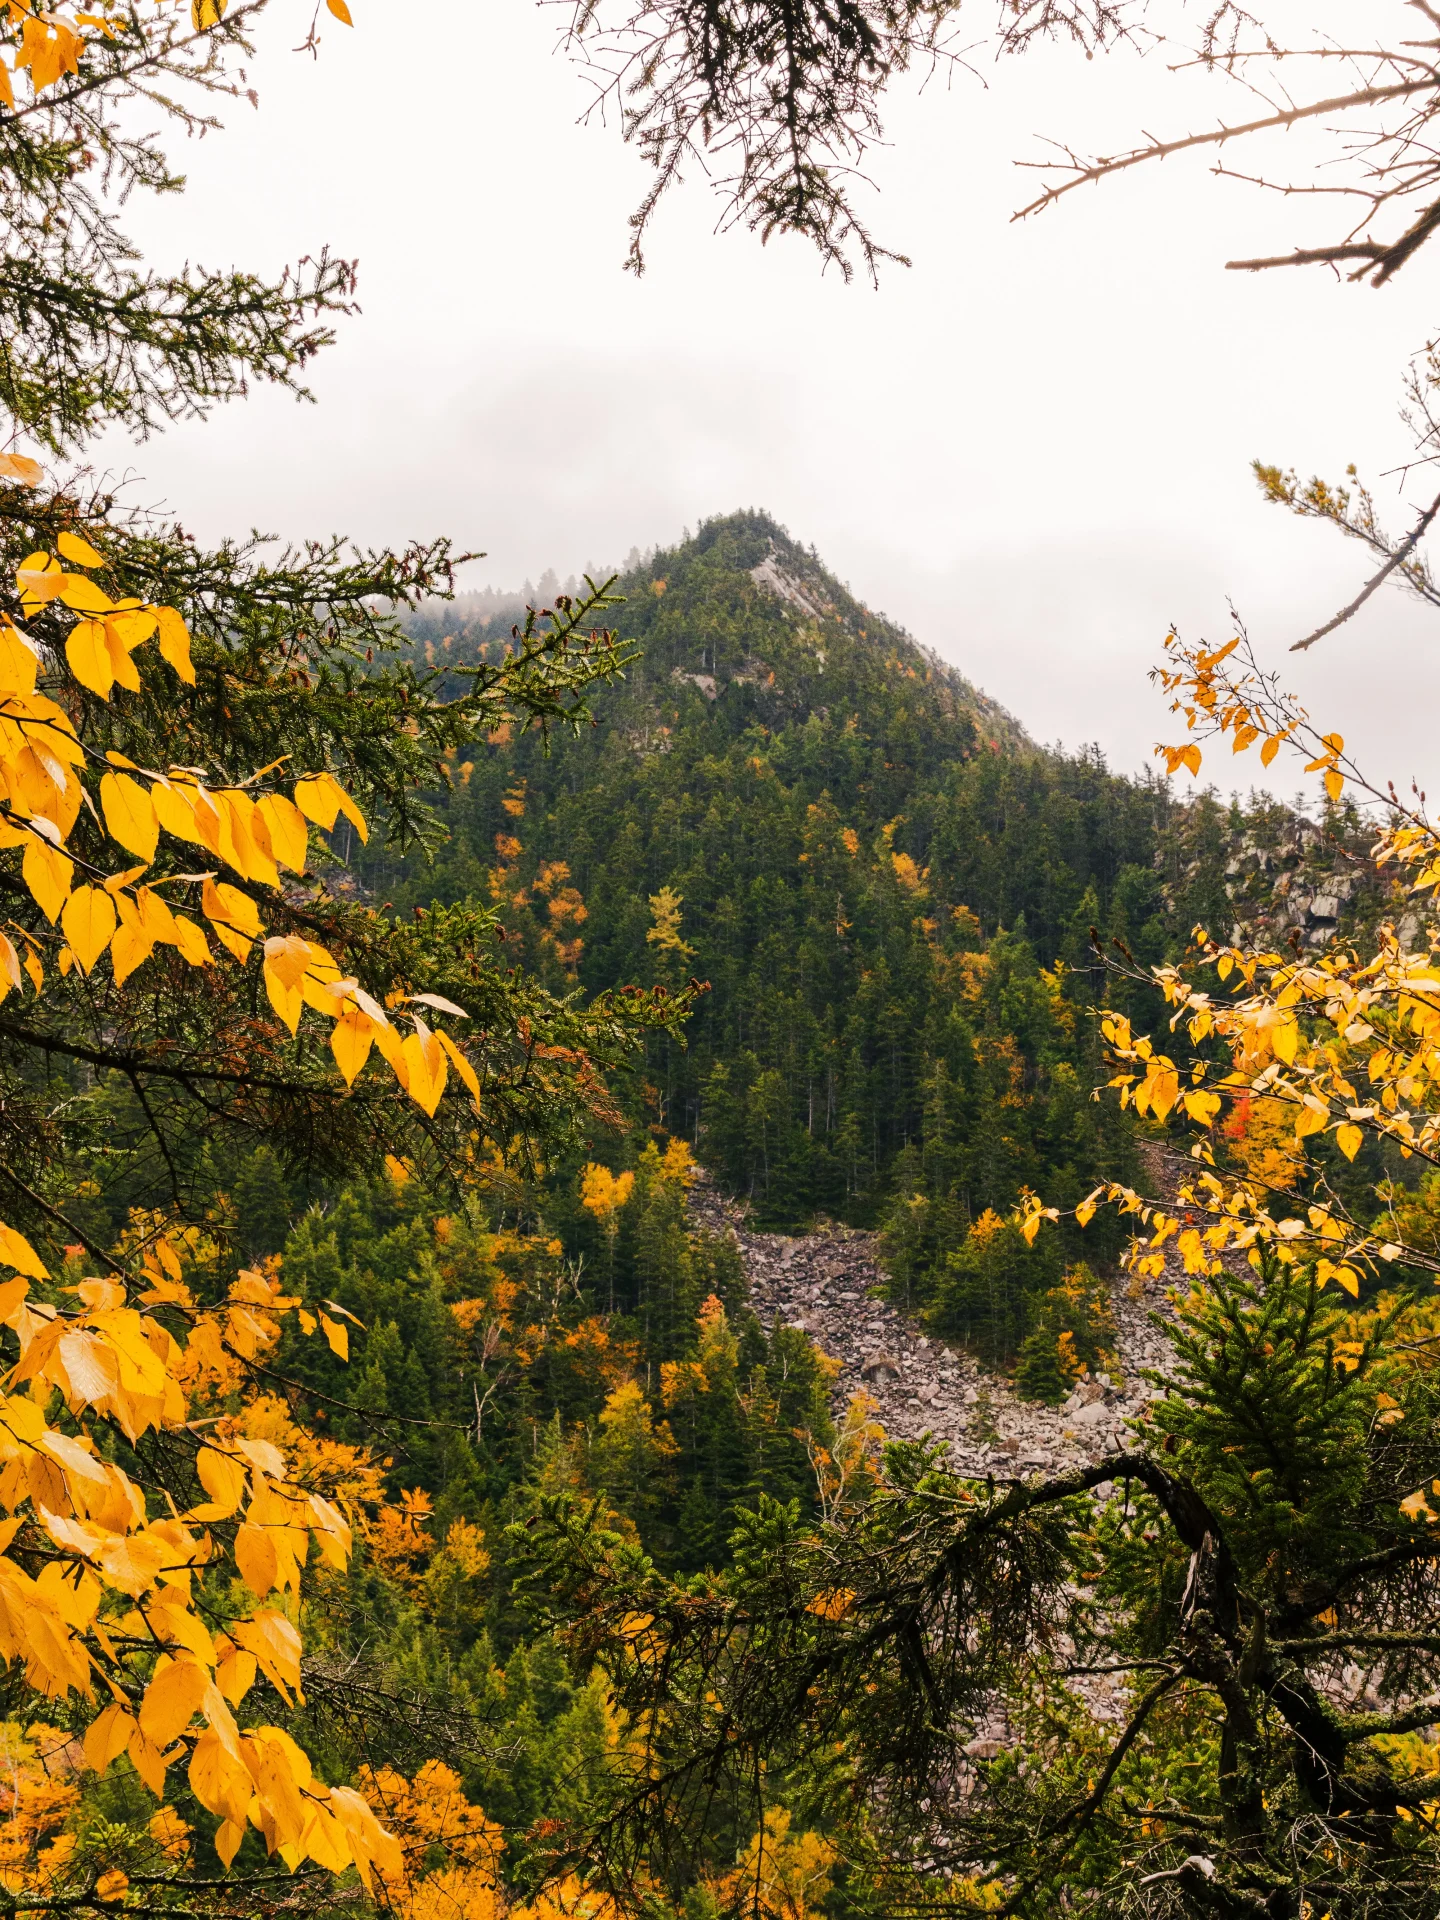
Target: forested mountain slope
{"type": "Point", "coordinates": [872, 865]}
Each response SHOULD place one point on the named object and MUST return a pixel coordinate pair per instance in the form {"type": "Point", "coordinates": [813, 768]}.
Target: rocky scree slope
{"type": "Point", "coordinates": [826, 1283]}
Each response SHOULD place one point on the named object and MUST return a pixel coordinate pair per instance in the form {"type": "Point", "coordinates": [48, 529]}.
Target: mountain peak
{"type": "Point", "coordinates": [740, 611]}
{"type": "Point", "coordinates": [825, 647]}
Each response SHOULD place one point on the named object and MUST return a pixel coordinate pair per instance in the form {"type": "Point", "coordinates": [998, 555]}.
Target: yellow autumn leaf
{"type": "Point", "coordinates": [275, 1644]}
{"type": "Point", "coordinates": [9, 965]}
{"type": "Point", "coordinates": [205, 818]}
{"type": "Point", "coordinates": [424, 1065]}
{"type": "Point", "coordinates": [1187, 756]}
{"type": "Point", "coordinates": [82, 595]}
{"type": "Point", "coordinates": [229, 1833]}
{"type": "Point", "coordinates": [88, 920]}
{"type": "Point", "coordinates": [130, 815]}
{"type": "Point", "coordinates": [149, 1762]}
{"type": "Point", "coordinates": [352, 813]}
{"type": "Point", "coordinates": [173, 1623]}
{"type": "Point", "coordinates": [1349, 1139]}
{"type": "Point", "coordinates": [223, 1478]}
{"type": "Point", "coordinates": [323, 987]}
{"type": "Point", "coordinates": [320, 797]}
{"type": "Point", "coordinates": [155, 916]}
{"type": "Point", "coordinates": [17, 1252]}
{"type": "Point", "coordinates": [191, 941]}
{"type": "Point", "coordinates": [832, 1603]}
{"type": "Point", "coordinates": [233, 942]}
{"type": "Point", "coordinates": [235, 1675]}
{"type": "Point", "coordinates": [329, 1846]}
{"type": "Point", "coordinates": [88, 654]}
{"type": "Point", "coordinates": [340, 11]}
{"type": "Point", "coordinates": [337, 1336]}
{"type": "Point", "coordinates": [107, 1737]}
{"type": "Point", "coordinates": [317, 797]}
{"type": "Point", "coordinates": [39, 578]}
{"type": "Point", "coordinates": [256, 1559]}
{"type": "Point", "coordinates": [350, 1041]}
{"type": "Point", "coordinates": [233, 915]}
{"type": "Point", "coordinates": [130, 948]}
{"type": "Point", "coordinates": [171, 1700]}
{"type": "Point", "coordinates": [1160, 1089]}
{"type": "Point", "coordinates": [239, 844]}
{"type": "Point", "coordinates": [19, 661]}
{"type": "Point", "coordinates": [461, 1064]}
{"type": "Point", "coordinates": [12, 1296]}
{"type": "Point", "coordinates": [17, 466]}
{"type": "Point", "coordinates": [80, 551]}
{"type": "Point", "coordinates": [46, 872]}
{"type": "Point", "coordinates": [126, 673]}
{"type": "Point", "coordinates": [174, 643]}
{"type": "Point", "coordinates": [289, 836]}
{"type": "Point", "coordinates": [175, 809]}
{"type": "Point", "coordinates": [288, 1002]}
{"type": "Point", "coordinates": [219, 1779]}
{"type": "Point", "coordinates": [287, 957]}
{"type": "Point", "coordinates": [224, 905]}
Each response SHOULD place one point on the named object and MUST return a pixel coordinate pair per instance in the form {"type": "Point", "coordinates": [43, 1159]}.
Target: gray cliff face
{"type": "Point", "coordinates": [1296, 883]}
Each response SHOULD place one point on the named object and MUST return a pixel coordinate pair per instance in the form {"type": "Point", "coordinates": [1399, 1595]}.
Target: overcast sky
{"type": "Point", "coordinates": [1031, 447]}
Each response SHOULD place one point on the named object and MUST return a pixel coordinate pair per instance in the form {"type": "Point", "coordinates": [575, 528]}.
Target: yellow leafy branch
{"type": "Point", "coordinates": [1224, 691]}
{"type": "Point", "coordinates": [113, 1610]}
{"type": "Point", "coordinates": [254, 830]}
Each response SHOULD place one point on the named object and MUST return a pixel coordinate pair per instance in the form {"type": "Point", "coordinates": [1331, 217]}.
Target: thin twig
{"type": "Point", "coordinates": [1397, 559]}
{"type": "Point", "coordinates": [1162, 149]}
{"type": "Point", "coordinates": [54, 1213]}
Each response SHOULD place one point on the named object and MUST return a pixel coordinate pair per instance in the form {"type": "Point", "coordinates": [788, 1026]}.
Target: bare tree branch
{"type": "Point", "coordinates": [1397, 559]}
